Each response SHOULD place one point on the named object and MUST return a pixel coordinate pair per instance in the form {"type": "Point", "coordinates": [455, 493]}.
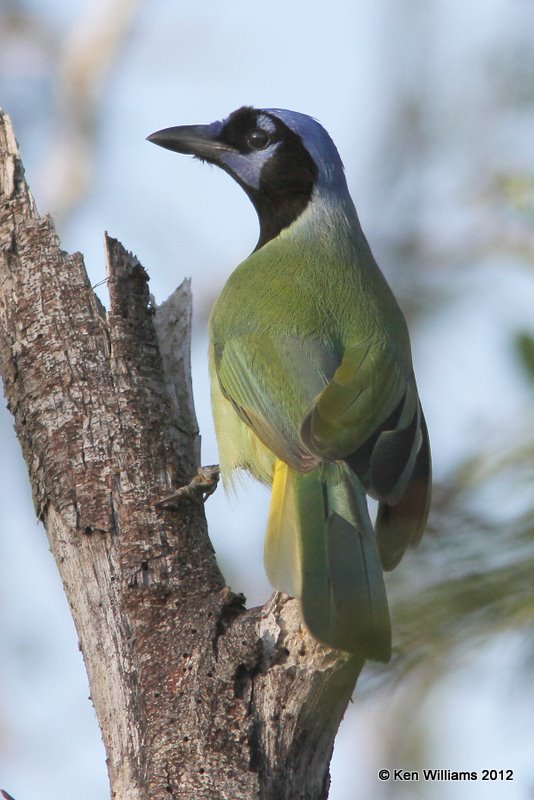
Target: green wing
{"type": "Point", "coordinates": [304, 400]}
{"type": "Point", "coordinates": [365, 389]}
{"type": "Point", "coordinates": [307, 405]}
{"type": "Point", "coordinates": [369, 415]}
{"type": "Point", "coordinates": [270, 382]}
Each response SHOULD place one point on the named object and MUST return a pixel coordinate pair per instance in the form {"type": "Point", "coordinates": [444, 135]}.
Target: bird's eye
{"type": "Point", "coordinates": [258, 139]}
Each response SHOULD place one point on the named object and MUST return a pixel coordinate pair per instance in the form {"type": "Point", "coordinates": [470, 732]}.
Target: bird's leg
{"type": "Point", "coordinates": [204, 483]}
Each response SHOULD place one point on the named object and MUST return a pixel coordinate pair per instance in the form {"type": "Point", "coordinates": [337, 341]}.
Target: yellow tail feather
{"type": "Point", "coordinates": [320, 547]}
{"type": "Point", "coordinates": [282, 542]}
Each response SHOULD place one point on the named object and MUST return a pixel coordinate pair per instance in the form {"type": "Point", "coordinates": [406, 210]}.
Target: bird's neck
{"type": "Point", "coordinates": [327, 209]}
{"type": "Point", "coordinates": [330, 214]}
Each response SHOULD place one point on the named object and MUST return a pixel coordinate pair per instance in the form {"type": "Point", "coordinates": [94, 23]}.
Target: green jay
{"type": "Point", "coordinates": [313, 389]}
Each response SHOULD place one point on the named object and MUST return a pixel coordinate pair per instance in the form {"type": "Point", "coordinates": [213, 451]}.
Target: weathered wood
{"type": "Point", "coordinates": [196, 697]}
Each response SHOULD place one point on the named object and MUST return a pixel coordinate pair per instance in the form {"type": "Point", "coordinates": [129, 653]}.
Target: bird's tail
{"type": "Point", "coordinates": [321, 548]}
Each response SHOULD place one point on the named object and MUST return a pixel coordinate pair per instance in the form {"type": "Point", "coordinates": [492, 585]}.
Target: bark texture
{"type": "Point", "coordinates": [196, 696]}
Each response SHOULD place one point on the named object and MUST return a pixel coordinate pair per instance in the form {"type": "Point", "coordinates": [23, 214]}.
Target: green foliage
{"type": "Point", "coordinates": [524, 345]}
{"type": "Point", "coordinates": [472, 576]}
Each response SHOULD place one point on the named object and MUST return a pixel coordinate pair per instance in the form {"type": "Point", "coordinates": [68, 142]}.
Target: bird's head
{"type": "Point", "coordinates": [280, 158]}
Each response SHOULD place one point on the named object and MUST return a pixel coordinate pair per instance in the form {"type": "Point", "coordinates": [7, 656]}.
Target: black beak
{"type": "Point", "coordinates": [194, 140]}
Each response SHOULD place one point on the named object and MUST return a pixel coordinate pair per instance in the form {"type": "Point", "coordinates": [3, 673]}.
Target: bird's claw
{"type": "Point", "coordinates": [204, 482]}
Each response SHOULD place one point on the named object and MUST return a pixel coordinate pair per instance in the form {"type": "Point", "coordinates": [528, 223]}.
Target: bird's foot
{"type": "Point", "coordinates": [204, 483]}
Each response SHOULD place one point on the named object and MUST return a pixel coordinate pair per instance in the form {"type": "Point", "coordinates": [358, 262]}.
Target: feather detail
{"type": "Point", "coordinates": [282, 554]}
{"type": "Point", "coordinates": [321, 547]}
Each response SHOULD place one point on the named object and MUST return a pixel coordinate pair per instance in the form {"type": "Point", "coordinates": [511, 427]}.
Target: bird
{"type": "Point", "coordinates": [312, 383]}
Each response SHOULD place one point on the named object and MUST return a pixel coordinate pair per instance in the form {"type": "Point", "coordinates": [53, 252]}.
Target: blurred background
{"type": "Point", "coordinates": [431, 105]}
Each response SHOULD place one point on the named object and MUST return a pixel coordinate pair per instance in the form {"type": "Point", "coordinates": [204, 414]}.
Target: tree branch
{"type": "Point", "coordinates": [196, 696]}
